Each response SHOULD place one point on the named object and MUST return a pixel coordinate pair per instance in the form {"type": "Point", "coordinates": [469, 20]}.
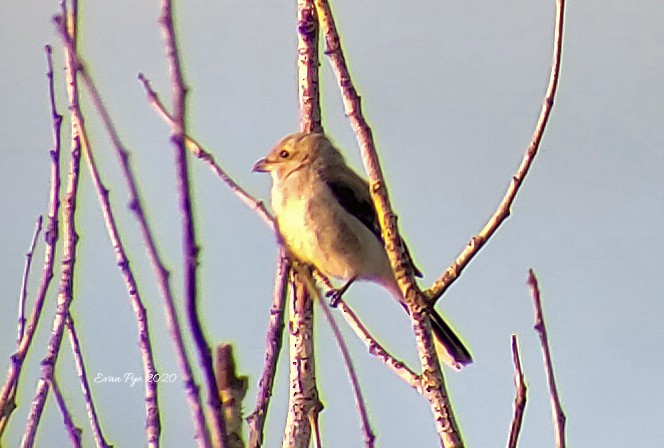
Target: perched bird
{"type": "Point", "coordinates": [326, 218]}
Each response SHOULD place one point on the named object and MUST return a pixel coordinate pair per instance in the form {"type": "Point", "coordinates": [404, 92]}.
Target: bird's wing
{"type": "Point", "coordinates": [352, 193]}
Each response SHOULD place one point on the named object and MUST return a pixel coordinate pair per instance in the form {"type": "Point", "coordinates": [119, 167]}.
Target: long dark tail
{"type": "Point", "coordinates": [451, 349]}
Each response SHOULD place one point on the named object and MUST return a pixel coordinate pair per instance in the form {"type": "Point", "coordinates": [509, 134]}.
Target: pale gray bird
{"type": "Point", "coordinates": [326, 218]}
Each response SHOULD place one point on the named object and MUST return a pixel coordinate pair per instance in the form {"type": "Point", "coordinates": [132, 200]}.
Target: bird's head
{"type": "Point", "coordinates": [297, 151]}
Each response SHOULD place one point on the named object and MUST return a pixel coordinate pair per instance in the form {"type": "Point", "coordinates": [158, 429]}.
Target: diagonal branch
{"type": "Point", "coordinates": [503, 211]}
{"type": "Point", "coordinates": [7, 404]}
{"type": "Point", "coordinates": [519, 399]}
{"type": "Point", "coordinates": [24, 282]}
{"type": "Point", "coordinates": [199, 152]}
{"type": "Point", "coordinates": [73, 431]}
{"type": "Point", "coordinates": [153, 426]}
{"type": "Point", "coordinates": [556, 409]}
{"type": "Point", "coordinates": [432, 381]}
{"type": "Point", "coordinates": [377, 350]}
{"type": "Point", "coordinates": [369, 436]}
{"type": "Point", "coordinates": [85, 385]}
{"type": "Point", "coordinates": [273, 341]}
{"type": "Point", "coordinates": [65, 295]}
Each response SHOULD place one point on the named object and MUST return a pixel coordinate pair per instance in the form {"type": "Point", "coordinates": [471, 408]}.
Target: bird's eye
{"type": "Point", "coordinates": [284, 154]}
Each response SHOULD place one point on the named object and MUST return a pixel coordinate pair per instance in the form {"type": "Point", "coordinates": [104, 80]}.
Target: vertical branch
{"type": "Point", "coordinates": [432, 381]}
{"type": "Point", "coordinates": [303, 405]}
{"type": "Point", "coordinates": [24, 282]}
{"type": "Point", "coordinates": [7, 404]}
{"type": "Point", "coordinates": [232, 390]}
{"type": "Point", "coordinates": [307, 67]}
{"type": "Point", "coordinates": [85, 386]}
{"type": "Point", "coordinates": [190, 249]}
{"type": "Point", "coordinates": [273, 341]}
{"type": "Point", "coordinates": [519, 399]}
{"type": "Point", "coordinates": [558, 415]}
{"type": "Point", "coordinates": [65, 294]}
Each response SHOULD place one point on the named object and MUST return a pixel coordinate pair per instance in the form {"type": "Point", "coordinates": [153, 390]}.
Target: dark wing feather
{"type": "Point", "coordinates": [357, 205]}
{"type": "Point", "coordinates": [356, 200]}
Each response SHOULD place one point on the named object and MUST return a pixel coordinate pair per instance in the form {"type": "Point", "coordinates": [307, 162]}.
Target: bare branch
{"type": "Point", "coordinates": [304, 404]}
{"type": "Point", "coordinates": [432, 382]}
{"type": "Point", "coordinates": [199, 152]}
{"type": "Point", "coordinates": [520, 399]}
{"type": "Point", "coordinates": [399, 258]}
{"type": "Point", "coordinates": [7, 394]}
{"type": "Point", "coordinates": [377, 350]}
{"type": "Point", "coordinates": [232, 390]}
{"type": "Point", "coordinates": [273, 341]}
{"type": "Point", "coordinates": [558, 415]}
{"type": "Point", "coordinates": [189, 246]}
{"type": "Point", "coordinates": [73, 431]}
{"type": "Point", "coordinates": [65, 295]}
{"type": "Point", "coordinates": [307, 67]}
{"type": "Point", "coordinates": [503, 211]}
{"type": "Point", "coordinates": [24, 282]}
{"type": "Point", "coordinates": [152, 426]}
{"type": "Point", "coordinates": [85, 385]}
{"type": "Point", "coordinates": [369, 436]}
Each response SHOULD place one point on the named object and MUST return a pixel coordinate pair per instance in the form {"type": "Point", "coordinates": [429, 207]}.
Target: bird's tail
{"type": "Point", "coordinates": [450, 348]}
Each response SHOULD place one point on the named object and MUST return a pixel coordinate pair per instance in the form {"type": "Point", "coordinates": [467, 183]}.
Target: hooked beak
{"type": "Point", "coordinates": [261, 166]}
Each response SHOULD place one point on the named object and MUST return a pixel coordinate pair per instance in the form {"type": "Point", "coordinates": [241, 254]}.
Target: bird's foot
{"type": "Point", "coordinates": [335, 296]}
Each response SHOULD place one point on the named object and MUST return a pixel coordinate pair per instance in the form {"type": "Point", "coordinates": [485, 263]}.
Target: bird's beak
{"type": "Point", "coordinates": [261, 166]}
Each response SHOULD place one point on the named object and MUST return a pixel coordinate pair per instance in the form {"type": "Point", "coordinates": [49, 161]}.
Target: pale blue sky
{"type": "Point", "coordinates": [452, 91]}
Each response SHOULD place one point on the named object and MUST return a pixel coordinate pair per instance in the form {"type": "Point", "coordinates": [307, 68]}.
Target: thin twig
{"type": "Point", "coordinates": [503, 211]}
{"type": "Point", "coordinates": [557, 413]}
{"type": "Point", "coordinates": [161, 273]}
{"type": "Point", "coordinates": [373, 346]}
{"type": "Point", "coordinates": [24, 282]}
{"type": "Point", "coordinates": [85, 385]}
{"type": "Point", "coordinates": [369, 436]}
{"type": "Point", "coordinates": [377, 350]}
{"type": "Point", "coordinates": [189, 246]}
{"type": "Point", "coordinates": [152, 425]}
{"type": "Point", "coordinates": [199, 152]}
{"type": "Point", "coordinates": [7, 394]}
{"type": "Point", "coordinates": [65, 295]}
{"type": "Point", "coordinates": [520, 398]}
{"type": "Point", "coordinates": [273, 341]}
{"type": "Point", "coordinates": [73, 431]}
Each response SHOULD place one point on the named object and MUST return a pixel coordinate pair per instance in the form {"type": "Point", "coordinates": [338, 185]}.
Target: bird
{"type": "Point", "coordinates": [326, 218]}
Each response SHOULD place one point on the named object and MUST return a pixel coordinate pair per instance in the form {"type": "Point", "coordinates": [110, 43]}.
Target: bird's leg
{"type": "Point", "coordinates": [335, 294]}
